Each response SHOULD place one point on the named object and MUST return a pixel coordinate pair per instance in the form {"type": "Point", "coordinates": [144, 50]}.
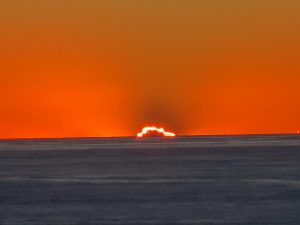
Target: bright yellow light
{"type": "Point", "coordinates": [146, 130]}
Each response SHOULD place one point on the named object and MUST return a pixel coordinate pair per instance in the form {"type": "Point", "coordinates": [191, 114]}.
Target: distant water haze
{"type": "Point", "coordinates": [220, 180]}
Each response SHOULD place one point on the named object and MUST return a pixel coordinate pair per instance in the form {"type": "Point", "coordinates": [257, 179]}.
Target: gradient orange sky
{"type": "Point", "coordinates": [107, 68]}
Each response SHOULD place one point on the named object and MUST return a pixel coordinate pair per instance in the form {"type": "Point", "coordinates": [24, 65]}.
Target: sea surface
{"type": "Point", "coordinates": [206, 180]}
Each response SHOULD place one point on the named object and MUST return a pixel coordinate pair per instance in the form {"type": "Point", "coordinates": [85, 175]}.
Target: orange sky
{"type": "Point", "coordinates": [106, 68]}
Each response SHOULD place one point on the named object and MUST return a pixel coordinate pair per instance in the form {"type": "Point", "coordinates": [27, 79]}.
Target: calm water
{"type": "Point", "coordinates": [239, 180]}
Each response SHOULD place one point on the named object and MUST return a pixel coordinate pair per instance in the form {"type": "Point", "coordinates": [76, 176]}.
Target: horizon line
{"type": "Point", "coordinates": [134, 136]}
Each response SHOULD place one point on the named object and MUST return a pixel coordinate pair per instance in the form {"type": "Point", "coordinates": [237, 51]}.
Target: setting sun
{"type": "Point", "coordinates": [154, 131]}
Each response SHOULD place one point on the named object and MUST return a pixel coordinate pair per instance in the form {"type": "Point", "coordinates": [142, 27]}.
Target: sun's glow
{"type": "Point", "coordinates": [146, 130]}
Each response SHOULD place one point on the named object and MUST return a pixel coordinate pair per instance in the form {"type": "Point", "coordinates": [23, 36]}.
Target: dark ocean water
{"type": "Point", "coordinates": [233, 180]}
